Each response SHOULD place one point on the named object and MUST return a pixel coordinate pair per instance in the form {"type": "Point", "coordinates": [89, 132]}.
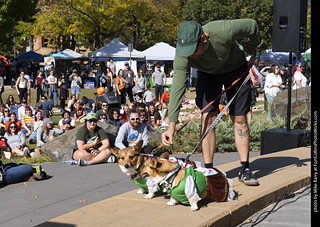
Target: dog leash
{"type": "Point", "coordinates": [217, 118]}
{"type": "Point", "coordinates": [154, 151]}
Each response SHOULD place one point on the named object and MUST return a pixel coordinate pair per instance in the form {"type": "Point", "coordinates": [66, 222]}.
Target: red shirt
{"type": "Point", "coordinates": [165, 97]}
{"type": "Point", "coordinates": [39, 80]}
{"type": "Point", "coordinates": [78, 113]}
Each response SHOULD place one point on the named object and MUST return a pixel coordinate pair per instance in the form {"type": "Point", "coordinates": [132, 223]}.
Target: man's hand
{"type": "Point", "coordinates": [168, 135]}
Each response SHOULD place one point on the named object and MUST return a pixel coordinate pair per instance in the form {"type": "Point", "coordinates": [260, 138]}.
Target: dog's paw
{"type": "Point", "coordinates": [172, 202]}
{"type": "Point", "coordinates": [194, 207]}
{"type": "Point", "coordinates": [149, 196]}
{"type": "Point", "coordinates": [140, 192]}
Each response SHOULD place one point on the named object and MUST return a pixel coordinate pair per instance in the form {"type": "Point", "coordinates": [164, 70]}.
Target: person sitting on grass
{"type": "Point", "coordinates": [37, 123]}
{"type": "Point", "coordinates": [46, 133]}
{"type": "Point", "coordinates": [16, 141]}
{"type": "Point", "coordinates": [114, 117]}
{"type": "Point", "coordinates": [67, 120]}
{"type": "Point", "coordinates": [13, 118]}
{"type": "Point", "coordinates": [27, 121]}
{"type": "Point", "coordinates": [92, 143]}
{"type": "Point", "coordinates": [79, 113]}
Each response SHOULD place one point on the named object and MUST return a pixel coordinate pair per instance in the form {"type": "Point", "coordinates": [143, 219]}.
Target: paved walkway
{"type": "Point", "coordinates": [278, 174]}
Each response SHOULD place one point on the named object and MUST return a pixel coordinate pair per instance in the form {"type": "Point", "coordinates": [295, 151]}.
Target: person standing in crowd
{"type": "Point", "coordinates": [272, 86]}
{"type": "Point", "coordinates": [159, 81]}
{"type": "Point", "coordinates": [39, 83]}
{"type": "Point", "coordinates": [92, 143]}
{"type": "Point", "coordinates": [106, 80]}
{"type": "Point", "coordinates": [299, 80]}
{"type": "Point", "coordinates": [98, 71]}
{"type": "Point", "coordinates": [75, 84]}
{"type": "Point", "coordinates": [141, 80]}
{"type": "Point", "coordinates": [213, 50]}
{"type": "Point", "coordinates": [22, 86]}
{"type": "Point", "coordinates": [132, 132]}
{"type": "Point", "coordinates": [53, 88]}
{"type": "Point", "coordinates": [120, 83]}
{"type": "Point", "coordinates": [64, 92]}
{"type": "Point", "coordinates": [128, 75]}
{"type": "Point", "coordinates": [112, 66]}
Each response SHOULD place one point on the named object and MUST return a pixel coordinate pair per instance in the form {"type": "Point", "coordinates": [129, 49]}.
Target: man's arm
{"type": "Point", "coordinates": [178, 90]}
{"type": "Point", "coordinates": [120, 137]}
{"type": "Point", "coordinates": [247, 29]}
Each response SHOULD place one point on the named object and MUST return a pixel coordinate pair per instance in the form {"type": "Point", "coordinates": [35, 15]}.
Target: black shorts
{"type": "Point", "coordinates": [209, 86]}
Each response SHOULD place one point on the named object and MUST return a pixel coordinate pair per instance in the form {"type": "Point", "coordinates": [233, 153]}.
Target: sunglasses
{"type": "Point", "coordinates": [105, 105]}
{"type": "Point", "coordinates": [135, 119]}
{"type": "Point", "coordinates": [13, 127]}
{"type": "Point", "coordinates": [92, 121]}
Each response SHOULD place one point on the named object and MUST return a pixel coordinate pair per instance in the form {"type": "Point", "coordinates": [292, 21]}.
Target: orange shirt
{"type": "Point", "coordinates": [165, 97]}
{"type": "Point", "coordinates": [120, 82]}
{"type": "Point", "coordinates": [8, 122]}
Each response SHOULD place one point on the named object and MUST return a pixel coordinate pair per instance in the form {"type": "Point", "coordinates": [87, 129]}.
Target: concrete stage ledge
{"type": "Point", "coordinates": [278, 174]}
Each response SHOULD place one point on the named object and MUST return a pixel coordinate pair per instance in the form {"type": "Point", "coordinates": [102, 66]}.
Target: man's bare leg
{"type": "Point", "coordinates": [209, 142]}
{"type": "Point", "coordinates": [242, 141]}
{"type": "Point", "coordinates": [241, 136]}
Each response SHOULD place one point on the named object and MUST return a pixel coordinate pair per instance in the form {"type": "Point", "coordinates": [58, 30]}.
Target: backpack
{"type": "Point", "coordinates": [38, 173]}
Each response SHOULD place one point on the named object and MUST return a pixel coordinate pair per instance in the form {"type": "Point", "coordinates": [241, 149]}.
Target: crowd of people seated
{"type": "Point", "coordinates": [22, 124]}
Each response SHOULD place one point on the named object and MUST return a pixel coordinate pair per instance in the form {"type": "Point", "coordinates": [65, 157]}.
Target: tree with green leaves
{"type": "Point", "coordinates": [12, 12]}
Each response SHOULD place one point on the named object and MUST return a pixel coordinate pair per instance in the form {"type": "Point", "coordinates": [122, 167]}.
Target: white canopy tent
{"type": "Point", "coordinates": [160, 52]}
{"type": "Point", "coordinates": [74, 54]}
{"type": "Point", "coordinates": [115, 49]}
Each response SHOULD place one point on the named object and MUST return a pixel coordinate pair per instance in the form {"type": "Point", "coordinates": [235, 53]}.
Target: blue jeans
{"type": "Point", "coordinates": [158, 90]}
{"type": "Point", "coordinates": [15, 173]}
{"type": "Point", "coordinates": [270, 100]}
{"type": "Point", "coordinates": [54, 95]}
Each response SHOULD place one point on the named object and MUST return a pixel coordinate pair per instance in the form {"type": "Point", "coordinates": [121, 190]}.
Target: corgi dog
{"type": "Point", "coordinates": [188, 185]}
{"type": "Point", "coordinates": [131, 161]}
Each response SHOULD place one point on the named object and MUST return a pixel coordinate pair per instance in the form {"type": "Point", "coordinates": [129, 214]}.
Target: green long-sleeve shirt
{"type": "Point", "coordinates": [224, 55]}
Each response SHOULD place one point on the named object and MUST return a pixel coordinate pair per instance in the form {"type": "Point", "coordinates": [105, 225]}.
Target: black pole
{"type": "Point", "coordinates": [289, 92]}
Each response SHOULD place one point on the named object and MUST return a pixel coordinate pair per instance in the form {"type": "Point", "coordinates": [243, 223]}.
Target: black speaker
{"type": "Point", "coordinates": [289, 26]}
{"type": "Point", "coordinates": [280, 139]}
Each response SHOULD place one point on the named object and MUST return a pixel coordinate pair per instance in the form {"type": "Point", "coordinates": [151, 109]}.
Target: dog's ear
{"type": "Point", "coordinates": [115, 152]}
{"type": "Point", "coordinates": [165, 155]}
{"type": "Point", "coordinates": [138, 146]}
{"type": "Point", "coordinates": [153, 162]}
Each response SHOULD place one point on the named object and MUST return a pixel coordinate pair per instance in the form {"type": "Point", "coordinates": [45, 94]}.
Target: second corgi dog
{"type": "Point", "coordinates": [188, 185]}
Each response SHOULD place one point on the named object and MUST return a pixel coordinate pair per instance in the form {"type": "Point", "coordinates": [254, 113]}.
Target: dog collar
{"type": "Point", "coordinates": [167, 182]}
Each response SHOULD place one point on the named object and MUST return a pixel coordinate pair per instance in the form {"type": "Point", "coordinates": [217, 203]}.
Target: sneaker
{"type": "Point", "coordinates": [71, 162]}
{"type": "Point", "coordinates": [248, 178]}
{"type": "Point", "coordinates": [81, 162]}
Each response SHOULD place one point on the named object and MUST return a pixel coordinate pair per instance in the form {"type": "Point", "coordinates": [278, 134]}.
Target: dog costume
{"type": "Point", "coordinates": [193, 185]}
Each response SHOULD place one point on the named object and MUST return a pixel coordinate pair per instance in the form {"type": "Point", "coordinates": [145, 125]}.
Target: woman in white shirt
{"type": "Point", "coordinates": [272, 86]}
{"type": "Point", "coordinates": [299, 80]}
